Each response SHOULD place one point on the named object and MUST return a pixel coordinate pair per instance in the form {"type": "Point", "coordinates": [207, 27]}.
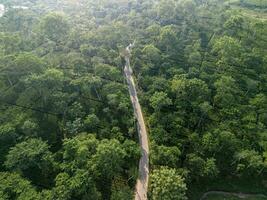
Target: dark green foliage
{"type": "Point", "coordinates": [55, 27]}
{"type": "Point", "coordinates": [13, 186]}
{"type": "Point", "coordinates": [33, 159]}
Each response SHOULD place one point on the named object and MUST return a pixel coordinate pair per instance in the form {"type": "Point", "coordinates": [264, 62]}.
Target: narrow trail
{"type": "Point", "coordinates": [239, 195]}
{"type": "Point", "coordinates": [142, 181]}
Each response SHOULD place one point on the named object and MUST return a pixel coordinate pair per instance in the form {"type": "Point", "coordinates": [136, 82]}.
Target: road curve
{"type": "Point", "coordinates": [142, 181]}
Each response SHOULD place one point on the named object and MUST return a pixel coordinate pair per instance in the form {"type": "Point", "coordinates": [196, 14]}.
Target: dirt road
{"type": "Point", "coordinates": [142, 181]}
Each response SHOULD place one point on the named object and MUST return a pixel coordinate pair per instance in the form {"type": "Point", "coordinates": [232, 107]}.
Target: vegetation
{"type": "Point", "coordinates": [167, 184]}
{"type": "Point", "coordinates": [219, 197]}
{"type": "Point", "coordinates": [255, 3]}
{"type": "Point", "coordinates": [67, 129]}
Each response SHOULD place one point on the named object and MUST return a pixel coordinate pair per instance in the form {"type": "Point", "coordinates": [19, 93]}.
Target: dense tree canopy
{"type": "Point", "coordinates": [67, 127]}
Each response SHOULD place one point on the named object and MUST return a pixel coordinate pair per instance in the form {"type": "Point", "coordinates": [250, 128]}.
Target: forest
{"type": "Point", "coordinates": [67, 125]}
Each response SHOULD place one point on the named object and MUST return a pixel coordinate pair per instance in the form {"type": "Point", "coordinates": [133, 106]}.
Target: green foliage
{"type": "Point", "coordinates": [249, 161]}
{"type": "Point", "coordinates": [77, 151]}
{"type": "Point", "coordinates": [256, 3]}
{"type": "Point", "coordinates": [151, 53]}
{"type": "Point", "coordinates": [33, 159]}
{"type": "Point", "coordinates": [54, 26]}
{"type": "Point", "coordinates": [167, 156]}
{"type": "Point", "coordinates": [120, 191]}
{"type": "Point", "coordinates": [200, 70]}
{"type": "Point", "coordinates": [231, 197]}
{"type": "Point", "coordinates": [13, 186]}
{"type": "Point", "coordinates": [108, 160]}
{"type": "Point", "coordinates": [226, 92]}
{"type": "Point", "coordinates": [202, 168]}
{"type": "Point", "coordinates": [167, 184]}
{"type": "Point", "coordinates": [159, 100]}
{"type": "Point", "coordinates": [7, 139]}
{"type": "Point", "coordinates": [10, 43]}
{"type": "Point", "coordinates": [80, 185]}
{"type": "Point", "coordinates": [33, 152]}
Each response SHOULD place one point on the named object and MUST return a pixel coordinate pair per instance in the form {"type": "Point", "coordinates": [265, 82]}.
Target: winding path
{"type": "Point", "coordinates": [142, 181]}
{"type": "Point", "coordinates": [239, 195]}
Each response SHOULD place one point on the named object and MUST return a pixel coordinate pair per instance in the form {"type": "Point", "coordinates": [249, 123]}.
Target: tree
{"type": "Point", "coordinates": [167, 184]}
{"type": "Point", "coordinates": [166, 11]}
{"type": "Point", "coordinates": [168, 38]}
{"type": "Point", "coordinates": [54, 26]}
{"type": "Point", "coordinates": [48, 86]}
{"type": "Point", "coordinates": [22, 65]}
{"type": "Point", "coordinates": [91, 122]}
{"type": "Point", "coordinates": [33, 159]}
{"type": "Point", "coordinates": [120, 191]}
{"type": "Point", "coordinates": [193, 90]}
{"type": "Point", "coordinates": [226, 92]}
{"type": "Point", "coordinates": [259, 104]}
{"type": "Point", "coordinates": [19, 21]}
{"type": "Point", "coordinates": [166, 156]}
{"type": "Point", "coordinates": [10, 43]}
{"type": "Point", "coordinates": [199, 167]}
{"type": "Point", "coordinates": [151, 54]}
{"type": "Point", "coordinates": [8, 138]}
{"type": "Point", "coordinates": [30, 128]}
{"type": "Point", "coordinates": [191, 97]}
{"type": "Point", "coordinates": [220, 146]}
{"type": "Point", "coordinates": [210, 143]}
{"type": "Point", "coordinates": [133, 152]}
{"type": "Point", "coordinates": [76, 179]}
{"type": "Point", "coordinates": [235, 25]}
{"type": "Point", "coordinates": [159, 100]}
{"type": "Point", "coordinates": [78, 151]}
{"type": "Point", "coordinates": [211, 169]}
{"type": "Point", "coordinates": [229, 51]}
{"type": "Point", "coordinates": [13, 186]}
{"type": "Point", "coordinates": [195, 165]}
{"type": "Point", "coordinates": [193, 54]}
{"type": "Point", "coordinates": [109, 158]}
{"type": "Point", "coordinates": [249, 162]}
{"type": "Point", "coordinates": [80, 186]}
